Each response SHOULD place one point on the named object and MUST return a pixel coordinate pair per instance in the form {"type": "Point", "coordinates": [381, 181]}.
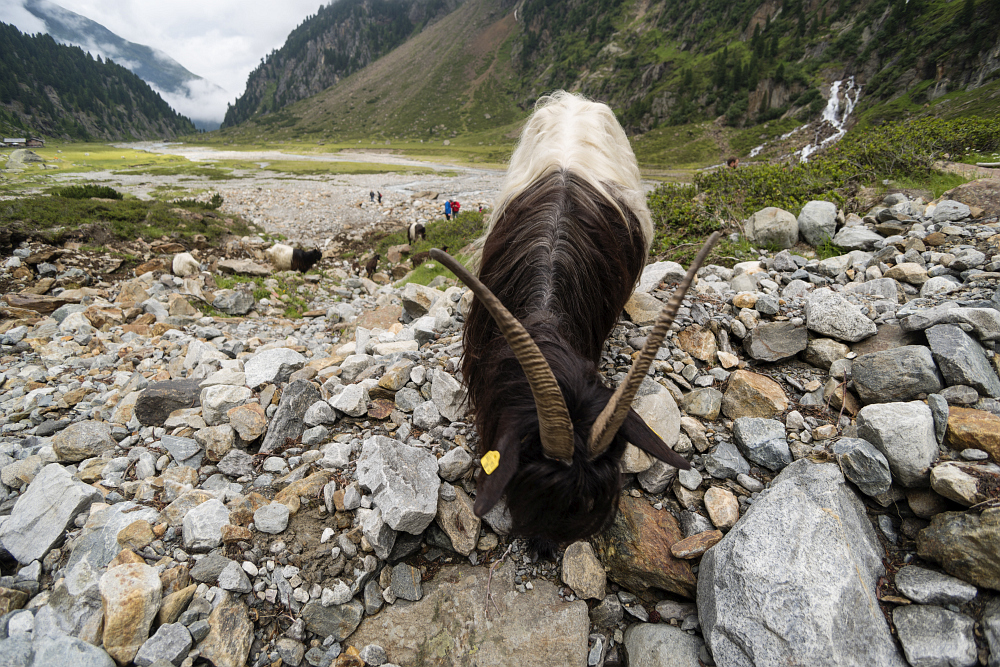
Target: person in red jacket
{"type": "Point", "coordinates": [454, 208]}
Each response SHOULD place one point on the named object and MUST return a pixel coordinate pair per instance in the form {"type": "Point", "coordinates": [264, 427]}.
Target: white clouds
{"type": "Point", "coordinates": [219, 40]}
{"type": "Point", "coordinates": [201, 104]}
{"type": "Point", "coordinates": [14, 13]}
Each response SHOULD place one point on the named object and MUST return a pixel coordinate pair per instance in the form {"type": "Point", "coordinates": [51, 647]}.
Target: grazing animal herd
{"type": "Point", "coordinates": [560, 256]}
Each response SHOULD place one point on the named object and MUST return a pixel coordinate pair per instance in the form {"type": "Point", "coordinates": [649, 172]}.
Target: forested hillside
{"type": "Point", "coordinates": [657, 62]}
{"type": "Point", "coordinates": [342, 38]}
{"type": "Point", "coordinates": [54, 90]}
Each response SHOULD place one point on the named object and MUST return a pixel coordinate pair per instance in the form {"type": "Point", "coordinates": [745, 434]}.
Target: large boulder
{"type": "Point", "coordinates": [818, 222]}
{"type": "Point", "coordinates": [794, 582]}
{"type": "Point", "coordinates": [773, 226]}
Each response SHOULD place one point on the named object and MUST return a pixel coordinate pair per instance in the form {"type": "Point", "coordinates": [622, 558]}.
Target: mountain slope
{"type": "Point", "coordinates": [180, 87]}
{"type": "Point", "coordinates": [342, 38]}
{"type": "Point", "coordinates": [61, 91]}
{"type": "Point", "coordinates": [658, 63]}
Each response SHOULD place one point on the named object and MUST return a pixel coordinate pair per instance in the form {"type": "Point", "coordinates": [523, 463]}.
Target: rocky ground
{"type": "Point", "coordinates": [187, 490]}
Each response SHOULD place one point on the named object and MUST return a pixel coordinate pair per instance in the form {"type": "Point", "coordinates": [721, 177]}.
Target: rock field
{"type": "Point", "coordinates": [177, 489]}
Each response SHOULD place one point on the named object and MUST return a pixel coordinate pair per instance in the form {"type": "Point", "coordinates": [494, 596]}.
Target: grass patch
{"type": "Point", "coordinates": [281, 291]}
{"type": "Point", "coordinates": [55, 218]}
{"type": "Point", "coordinates": [452, 234]}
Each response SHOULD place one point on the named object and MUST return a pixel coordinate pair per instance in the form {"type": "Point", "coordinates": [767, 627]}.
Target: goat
{"type": "Point", "coordinates": [371, 266]}
{"type": "Point", "coordinates": [285, 257]}
{"type": "Point", "coordinates": [559, 258]}
{"type": "Point", "coordinates": [415, 231]}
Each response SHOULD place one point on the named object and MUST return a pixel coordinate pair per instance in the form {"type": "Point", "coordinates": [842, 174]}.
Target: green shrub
{"type": "Point", "coordinates": [88, 191]}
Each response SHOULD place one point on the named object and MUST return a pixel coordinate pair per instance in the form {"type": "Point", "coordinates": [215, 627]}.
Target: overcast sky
{"type": "Point", "coordinates": [219, 40]}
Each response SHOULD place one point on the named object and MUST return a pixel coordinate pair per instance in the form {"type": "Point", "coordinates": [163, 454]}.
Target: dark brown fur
{"type": "Point", "coordinates": [564, 262]}
{"type": "Point", "coordinates": [371, 266]}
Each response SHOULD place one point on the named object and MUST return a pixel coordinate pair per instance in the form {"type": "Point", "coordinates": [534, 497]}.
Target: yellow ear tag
{"type": "Point", "coordinates": [490, 461]}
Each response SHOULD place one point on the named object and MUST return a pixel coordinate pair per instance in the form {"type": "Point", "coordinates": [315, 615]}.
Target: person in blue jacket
{"type": "Point", "coordinates": [447, 210]}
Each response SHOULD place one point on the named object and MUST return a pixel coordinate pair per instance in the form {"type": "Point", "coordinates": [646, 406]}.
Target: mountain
{"type": "Point", "coordinates": [182, 89]}
{"type": "Point", "coordinates": [342, 38]}
{"type": "Point", "coordinates": [658, 63]}
{"type": "Point", "coordinates": [62, 91]}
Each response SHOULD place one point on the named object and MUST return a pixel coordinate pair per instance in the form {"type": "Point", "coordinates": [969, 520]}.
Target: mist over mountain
{"type": "Point", "coordinates": [191, 95]}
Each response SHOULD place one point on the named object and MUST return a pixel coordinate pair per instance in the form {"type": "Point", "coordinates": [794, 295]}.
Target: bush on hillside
{"type": "Point", "coordinates": [88, 191]}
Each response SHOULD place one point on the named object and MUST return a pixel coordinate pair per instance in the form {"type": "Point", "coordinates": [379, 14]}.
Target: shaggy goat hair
{"type": "Point", "coordinates": [371, 266]}
{"type": "Point", "coordinates": [559, 259]}
{"type": "Point", "coordinates": [285, 257]}
{"type": "Point", "coordinates": [415, 231]}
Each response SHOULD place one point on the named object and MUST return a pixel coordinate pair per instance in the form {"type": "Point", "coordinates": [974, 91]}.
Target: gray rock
{"type": "Point", "coordinates": [74, 606]}
{"type": "Point", "coordinates": [704, 403]}
{"type": "Point", "coordinates": [315, 435]}
{"type": "Point", "coordinates": [762, 441]}
{"type": "Point", "coordinates": [97, 543]}
{"type": "Point", "coordinates": [373, 655]}
{"type": "Point", "coordinates": [932, 636]}
{"type": "Point", "coordinates": [772, 226]}
{"type": "Point", "coordinates": [319, 413]}
{"type": "Point", "coordinates": [726, 462]}
{"type": "Point", "coordinates": [159, 399]}
{"type": "Point", "coordinates": [407, 399]}
{"type": "Point", "coordinates": [403, 480]}
{"type": "Point", "coordinates": [234, 302]}
{"type": "Point", "coordinates": [68, 651]}
{"type": "Point", "coordinates": [961, 359]}
{"type": "Point", "coordinates": [353, 401]}
{"type": "Point", "coordinates": [775, 341]}
{"type": "Point", "coordinates": [233, 578]}
{"type": "Point", "coordinates": [857, 238]}
{"type": "Point", "coordinates": [949, 210]}
{"type": "Point", "coordinates": [83, 440]}
{"type": "Point", "coordinates": [18, 651]}
{"type": "Point", "coordinates": [658, 272]}
{"type": "Point", "coordinates": [181, 449]}
{"type": "Point", "coordinates": [899, 374]}
{"type": "Point", "coordinates": [657, 477]}
{"type": "Point", "coordinates": [208, 569]}
{"type": "Point", "coordinates": [818, 222]}
{"type": "Point", "coordinates": [337, 621]}
{"type": "Point", "coordinates": [823, 352]}
{"type": "Point", "coordinates": [272, 366]}
{"type": "Point", "coordinates": [864, 465]}
{"type": "Point", "coordinates": [929, 587]}
{"type": "Point", "coordinates": [203, 525]}
{"type": "Point", "coordinates": [378, 533]}
{"type": "Point", "coordinates": [659, 644]}
{"type": "Point", "coordinates": [904, 433]}
{"type": "Point", "coordinates": [355, 365]}
{"type": "Point", "coordinates": [454, 464]}
{"type": "Point", "coordinates": [449, 396]}
{"type": "Point", "coordinates": [218, 399]}
{"type": "Point", "coordinates": [290, 650]}
{"type": "Point", "coordinates": [830, 314]}
{"type": "Point", "coordinates": [236, 463]}
{"type": "Point", "coordinates": [762, 591]}
{"type": "Point", "coordinates": [991, 628]}
{"type": "Point", "coordinates": [426, 416]}
{"type": "Point", "coordinates": [288, 420]}
{"type": "Point", "coordinates": [959, 394]}
{"type": "Point", "coordinates": [271, 518]}
{"type": "Point", "coordinates": [967, 258]}
{"type": "Point", "coordinates": [171, 642]}
{"type": "Point", "coordinates": [406, 582]}
{"type": "Point", "coordinates": [881, 287]}
{"type": "Point", "coordinates": [43, 513]}
{"type": "Point", "coordinates": [983, 322]}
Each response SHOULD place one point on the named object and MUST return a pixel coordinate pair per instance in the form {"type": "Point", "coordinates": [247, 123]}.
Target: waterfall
{"type": "Point", "coordinates": [834, 117]}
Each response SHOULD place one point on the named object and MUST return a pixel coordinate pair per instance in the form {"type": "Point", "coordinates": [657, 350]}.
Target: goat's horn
{"type": "Point", "coordinates": [554, 423]}
{"type": "Point", "coordinates": [614, 413]}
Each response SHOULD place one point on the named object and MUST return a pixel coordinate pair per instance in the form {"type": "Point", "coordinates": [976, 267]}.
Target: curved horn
{"type": "Point", "coordinates": [554, 423]}
{"type": "Point", "coordinates": [614, 413]}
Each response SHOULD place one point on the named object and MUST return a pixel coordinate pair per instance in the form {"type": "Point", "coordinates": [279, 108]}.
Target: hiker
{"type": "Point", "coordinates": [733, 162]}
{"type": "Point", "coordinates": [454, 209]}
{"type": "Point", "coordinates": [380, 198]}
{"type": "Point", "coordinates": [447, 210]}
{"type": "Point", "coordinates": [371, 195]}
